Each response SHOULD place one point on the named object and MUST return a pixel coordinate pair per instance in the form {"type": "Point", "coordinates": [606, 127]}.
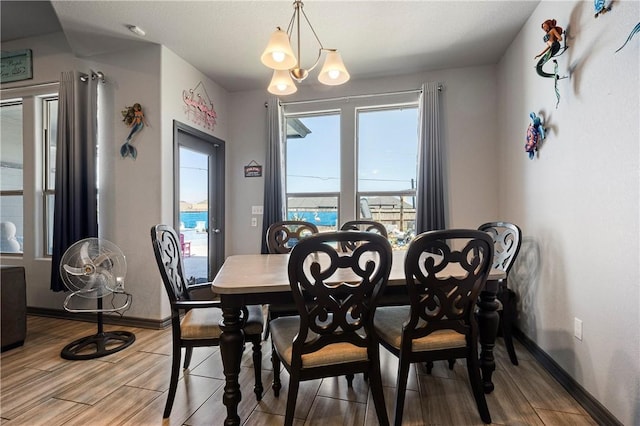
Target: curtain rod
{"type": "Point", "coordinates": [83, 77]}
{"type": "Point", "coordinates": [346, 98]}
{"type": "Point", "coordinates": [94, 74]}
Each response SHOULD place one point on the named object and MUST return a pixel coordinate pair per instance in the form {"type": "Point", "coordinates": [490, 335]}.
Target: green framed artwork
{"type": "Point", "coordinates": [16, 66]}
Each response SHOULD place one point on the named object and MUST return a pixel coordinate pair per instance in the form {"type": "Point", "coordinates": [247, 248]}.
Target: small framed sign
{"type": "Point", "coordinates": [16, 66]}
{"type": "Point", "coordinates": [253, 169]}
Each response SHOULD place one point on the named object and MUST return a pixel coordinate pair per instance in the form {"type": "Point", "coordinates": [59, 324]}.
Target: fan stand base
{"type": "Point", "coordinates": [98, 345]}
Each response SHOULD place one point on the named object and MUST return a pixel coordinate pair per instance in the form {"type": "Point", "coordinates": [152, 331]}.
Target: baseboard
{"type": "Point", "coordinates": [599, 413]}
{"type": "Point", "coordinates": [106, 319]}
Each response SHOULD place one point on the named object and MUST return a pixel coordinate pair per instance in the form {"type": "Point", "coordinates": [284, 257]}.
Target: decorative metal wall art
{"type": "Point", "coordinates": [535, 135]}
{"type": "Point", "coordinates": [601, 7]}
{"type": "Point", "coordinates": [633, 32]}
{"type": "Point", "coordinates": [198, 108]}
{"type": "Point", "coordinates": [552, 39]}
{"type": "Point", "coordinates": [133, 117]}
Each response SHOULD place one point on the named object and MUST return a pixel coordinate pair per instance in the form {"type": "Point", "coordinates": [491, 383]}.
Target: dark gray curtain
{"type": "Point", "coordinates": [430, 200]}
{"type": "Point", "coordinates": [273, 210]}
{"type": "Point", "coordinates": [76, 211]}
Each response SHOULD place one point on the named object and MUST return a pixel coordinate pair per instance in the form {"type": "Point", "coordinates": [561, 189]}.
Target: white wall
{"type": "Point", "coordinates": [469, 133]}
{"type": "Point", "coordinates": [130, 189]}
{"type": "Point", "coordinates": [134, 195]}
{"type": "Point", "coordinates": [577, 203]}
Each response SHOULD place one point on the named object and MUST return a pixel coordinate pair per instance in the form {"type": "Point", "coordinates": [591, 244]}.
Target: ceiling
{"type": "Point", "coordinates": [224, 39]}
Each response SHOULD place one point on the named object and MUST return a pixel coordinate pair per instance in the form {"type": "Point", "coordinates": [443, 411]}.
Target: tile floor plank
{"type": "Point", "coordinates": [130, 388]}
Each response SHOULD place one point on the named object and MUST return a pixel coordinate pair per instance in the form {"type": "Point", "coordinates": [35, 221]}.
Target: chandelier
{"type": "Point", "coordinates": [279, 56]}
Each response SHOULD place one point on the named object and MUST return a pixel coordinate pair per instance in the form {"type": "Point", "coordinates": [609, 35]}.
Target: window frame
{"type": "Point", "coordinates": [46, 172]}
{"type": "Point", "coordinates": [348, 108]}
{"type": "Point", "coordinates": [16, 192]}
{"type": "Point", "coordinates": [34, 242]}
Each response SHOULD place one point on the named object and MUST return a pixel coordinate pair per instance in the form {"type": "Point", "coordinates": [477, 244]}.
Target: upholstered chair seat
{"type": "Point", "coordinates": [205, 323]}
{"type": "Point", "coordinates": [388, 322]}
{"type": "Point", "coordinates": [286, 329]}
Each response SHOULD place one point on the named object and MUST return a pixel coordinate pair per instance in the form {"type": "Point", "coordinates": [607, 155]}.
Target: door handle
{"type": "Point", "coordinates": [216, 231]}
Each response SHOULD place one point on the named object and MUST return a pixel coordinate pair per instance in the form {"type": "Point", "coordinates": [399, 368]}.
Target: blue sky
{"type": "Point", "coordinates": [387, 152]}
{"type": "Point", "coordinates": [193, 176]}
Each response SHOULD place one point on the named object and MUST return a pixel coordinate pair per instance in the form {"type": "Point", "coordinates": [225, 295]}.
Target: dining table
{"type": "Point", "coordinates": [257, 279]}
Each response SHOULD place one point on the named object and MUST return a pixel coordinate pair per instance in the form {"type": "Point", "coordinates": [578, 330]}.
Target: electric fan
{"type": "Point", "coordinates": [93, 268]}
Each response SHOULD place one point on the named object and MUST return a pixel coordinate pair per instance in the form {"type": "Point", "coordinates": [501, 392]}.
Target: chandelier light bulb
{"type": "Point", "coordinates": [333, 71]}
{"type": "Point", "coordinates": [281, 83]}
{"type": "Point", "coordinates": [278, 54]}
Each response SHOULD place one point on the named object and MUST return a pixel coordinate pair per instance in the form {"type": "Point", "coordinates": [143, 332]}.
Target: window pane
{"type": "Point", "coordinates": [194, 213]}
{"type": "Point", "coordinates": [11, 224]}
{"type": "Point", "coordinates": [322, 211]}
{"type": "Point", "coordinates": [49, 207]}
{"type": "Point", "coordinates": [387, 149]}
{"type": "Point", "coordinates": [51, 136]}
{"type": "Point", "coordinates": [11, 164]}
{"type": "Point", "coordinates": [313, 154]}
{"type": "Point", "coordinates": [396, 212]}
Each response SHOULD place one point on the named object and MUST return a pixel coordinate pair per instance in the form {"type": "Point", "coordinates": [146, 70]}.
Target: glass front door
{"type": "Point", "coordinates": [199, 183]}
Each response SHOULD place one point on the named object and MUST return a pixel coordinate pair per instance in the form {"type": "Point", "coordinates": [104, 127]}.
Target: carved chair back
{"type": "Point", "coordinates": [166, 247]}
{"type": "Point", "coordinates": [507, 238]}
{"type": "Point", "coordinates": [335, 292]}
{"type": "Point", "coordinates": [284, 235]}
{"type": "Point", "coordinates": [362, 225]}
{"type": "Point", "coordinates": [441, 298]}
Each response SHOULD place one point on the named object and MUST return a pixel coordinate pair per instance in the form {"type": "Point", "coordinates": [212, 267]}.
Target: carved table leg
{"type": "Point", "coordinates": [488, 320]}
{"type": "Point", "coordinates": [231, 347]}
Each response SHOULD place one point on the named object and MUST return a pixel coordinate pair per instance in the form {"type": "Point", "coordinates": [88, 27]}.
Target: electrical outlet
{"type": "Point", "coordinates": [256, 209]}
{"type": "Point", "coordinates": [254, 221]}
{"type": "Point", "coordinates": [577, 328]}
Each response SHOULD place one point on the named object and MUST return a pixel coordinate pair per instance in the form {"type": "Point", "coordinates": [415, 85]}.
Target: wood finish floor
{"type": "Point", "coordinates": [38, 387]}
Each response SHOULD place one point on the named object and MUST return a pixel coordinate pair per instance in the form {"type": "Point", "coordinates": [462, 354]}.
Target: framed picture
{"type": "Point", "coordinates": [16, 66]}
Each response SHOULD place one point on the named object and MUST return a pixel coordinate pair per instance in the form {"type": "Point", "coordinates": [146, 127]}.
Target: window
{"type": "Point", "coordinates": [49, 137]}
{"type": "Point", "coordinates": [28, 123]}
{"type": "Point", "coordinates": [11, 178]}
{"type": "Point", "coordinates": [354, 159]}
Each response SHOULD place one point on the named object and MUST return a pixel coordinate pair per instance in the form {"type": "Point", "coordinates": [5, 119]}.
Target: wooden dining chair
{"type": "Point", "coordinates": [284, 235]}
{"type": "Point", "coordinates": [363, 225]}
{"type": "Point", "coordinates": [439, 323]}
{"type": "Point", "coordinates": [281, 238]}
{"type": "Point", "coordinates": [196, 323]}
{"type": "Point", "coordinates": [507, 238]}
{"type": "Point", "coordinates": [336, 295]}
